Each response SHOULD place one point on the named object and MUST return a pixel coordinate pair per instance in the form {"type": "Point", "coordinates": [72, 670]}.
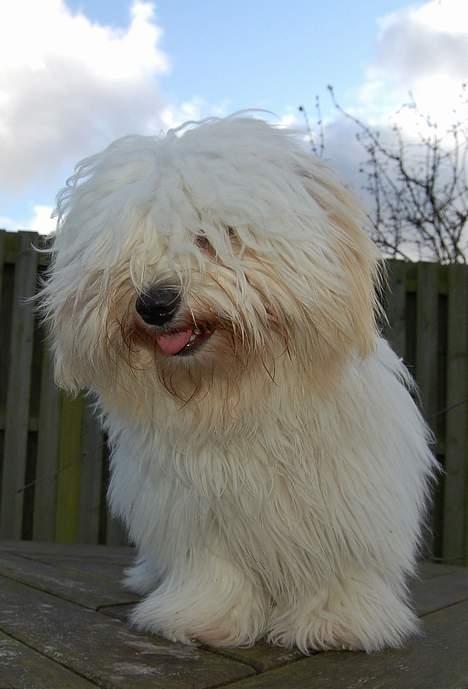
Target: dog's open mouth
{"type": "Point", "coordinates": [183, 342]}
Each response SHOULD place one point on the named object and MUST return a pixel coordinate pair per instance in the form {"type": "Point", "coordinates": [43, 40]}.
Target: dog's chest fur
{"type": "Point", "coordinates": [288, 499]}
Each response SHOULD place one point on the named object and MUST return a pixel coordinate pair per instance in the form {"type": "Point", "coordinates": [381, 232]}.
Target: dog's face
{"type": "Point", "coordinates": [206, 261]}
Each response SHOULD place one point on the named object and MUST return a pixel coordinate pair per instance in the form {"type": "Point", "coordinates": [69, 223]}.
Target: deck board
{"type": "Point", "coordinates": [261, 656]}
{"type": "Point", "coordinates": [63, 624]}
{"type": "Point", "coordinates": [435, 594]}
{"type": "Point", "coordinates": [103, 649]}
{"type": "Point", "coordinates": [82, 587]}
{"type": "Point", "coordinates": [438, 660]}
{"type": "Point", "coordinates": [22, 667]}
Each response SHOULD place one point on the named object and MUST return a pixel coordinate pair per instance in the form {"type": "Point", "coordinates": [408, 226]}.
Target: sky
{"type": "Point", "coordinates": [76, 74]}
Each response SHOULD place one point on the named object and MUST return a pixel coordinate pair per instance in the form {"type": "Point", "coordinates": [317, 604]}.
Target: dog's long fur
{"type": "Point", "coordinates": [275, 481]}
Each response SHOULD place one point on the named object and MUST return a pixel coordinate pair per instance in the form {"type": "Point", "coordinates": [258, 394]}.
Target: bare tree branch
{"type": "Point", "coordinates": [418, 186]}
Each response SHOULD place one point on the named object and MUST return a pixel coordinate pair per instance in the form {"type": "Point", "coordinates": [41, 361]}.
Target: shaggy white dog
{"type": "Point", "coordinates": [216, 291]}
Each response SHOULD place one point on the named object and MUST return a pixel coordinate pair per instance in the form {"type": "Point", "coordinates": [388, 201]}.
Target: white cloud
{"type": "Point", "coordinates": [421, 57]}
{"type": "Point", "coordinates": [41, 220]}
{"type": "Point", "coordinates": [421, 50]}
{"type": "Point", "coordinates": [290, 118]}
{"type": "Point", "coordinates": [424, 40]}
{"type": "Point", "coordinates": [421, 53]}
{"type": "Point", "coordinates": [68, 86]}
{"type": "Point", "coordinates": [195, 110]}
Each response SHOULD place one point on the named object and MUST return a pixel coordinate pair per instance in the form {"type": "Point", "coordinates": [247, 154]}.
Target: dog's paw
{"type": "Point", "coordinates": [362, 613]}
{"type": "Point", "coordinates": [237, 627]}
{"type": "Point", "coordinates": [192, 616]}
{"type": "Point", "coordinates": [315, 635]}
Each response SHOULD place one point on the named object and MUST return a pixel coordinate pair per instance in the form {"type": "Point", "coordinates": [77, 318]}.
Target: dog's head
{"type": "Point", "coordinates": [206, 260]}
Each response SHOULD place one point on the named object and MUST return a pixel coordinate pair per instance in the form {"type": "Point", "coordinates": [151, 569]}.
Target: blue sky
{"type": "Point", "coordinates": [257, 53]}
{"type": "Point", "coordinates": [79, 73]}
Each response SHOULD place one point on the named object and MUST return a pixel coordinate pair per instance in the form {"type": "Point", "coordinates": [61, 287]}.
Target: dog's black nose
{"type": "Point", "coordinates": [158, 305]}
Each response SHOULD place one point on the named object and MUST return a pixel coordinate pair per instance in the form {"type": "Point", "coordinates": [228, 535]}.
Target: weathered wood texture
{"type": "Point", "coordinates": [53, 459]}
{"type": "Point", "coordinates": [64, 625]}
{"type": "Point", "coordinates": [22, 667]}
{"type": "Point", "coordinates": [53, 455]}
{"type": "Point", "coordinates": [18, 390]}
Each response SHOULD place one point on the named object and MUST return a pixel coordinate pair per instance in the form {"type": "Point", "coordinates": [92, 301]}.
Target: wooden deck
{"type": "Point", "coordinates": [63, 626]}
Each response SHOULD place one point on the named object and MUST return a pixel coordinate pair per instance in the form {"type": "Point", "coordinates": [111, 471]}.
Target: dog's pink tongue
{"type": "Point", "coordinates": [173, 343]}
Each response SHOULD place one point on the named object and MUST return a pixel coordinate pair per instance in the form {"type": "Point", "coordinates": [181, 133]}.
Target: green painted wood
{"type": "Point", "coordinates": [22, 667]}
{"type": "Point", "coordinates": [104, 650]}
{"type": "Point", "coordinates": [45, 488]}
{"type": "Point", "coordinates": [78, 586]}
{"type": "Point", "coordinates": [437, 660]}
{"type": "Point", "coordinates": [92, 456]}
{"type": "Point", "coordinates": [455, 540]}
{"type": "Point", "coordinates": [18, 392]}
{"type": "Point", "coordinates": [396, 306]}
{"type": "Point", "coordinates": [67, 516]}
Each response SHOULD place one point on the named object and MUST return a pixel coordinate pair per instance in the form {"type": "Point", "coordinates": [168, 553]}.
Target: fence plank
{"type": "Point", "coordinates": [396, 307]}
{"type": "Point", "coordinates": [427, 333]}
{"type": "Point", "coordinates": [19, 380]}
{"type": "Point", "coordinates": [427, 336]}
{"type": "Point", "coordinates": [92, 440]}
{"type": "Point", "coordinates": [47, 454]}
{"type": "Point", "coordinates": [454, 537]}
{"type": "Point", "coordinates": [68, 473]}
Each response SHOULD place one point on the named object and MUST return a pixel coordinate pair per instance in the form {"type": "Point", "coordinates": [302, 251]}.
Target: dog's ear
{"type": "Point", "coordinates": [66, 331]}
{"type": "Point", "coordinates": [65, 375]}
{"type": "Point", "coordinates": [355, 284]}
{"type": "Point", "coordinates": [67, 372]}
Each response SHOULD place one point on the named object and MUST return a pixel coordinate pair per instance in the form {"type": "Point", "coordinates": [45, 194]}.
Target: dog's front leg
{"type": "Point", "coordinates": [208, 599]}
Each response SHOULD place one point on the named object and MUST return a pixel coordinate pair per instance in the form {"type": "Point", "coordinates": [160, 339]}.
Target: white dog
{"type": "Point", "coordinates": [216, 291]}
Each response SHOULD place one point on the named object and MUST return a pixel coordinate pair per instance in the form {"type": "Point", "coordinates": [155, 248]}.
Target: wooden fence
{"type": "Point", "coordinates": [53, 456]}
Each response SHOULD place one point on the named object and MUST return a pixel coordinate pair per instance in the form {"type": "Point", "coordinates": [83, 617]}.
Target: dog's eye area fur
{"type": "Point", "coordinates": [203, 243]}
